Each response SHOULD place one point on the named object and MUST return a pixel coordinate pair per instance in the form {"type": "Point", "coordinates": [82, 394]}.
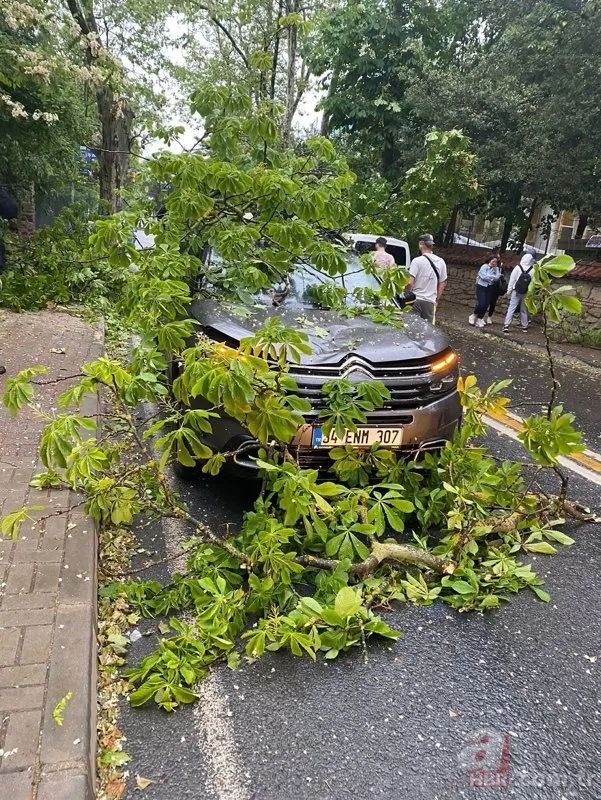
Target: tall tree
{"type": "Point", "coordinates": [370, 55]}
{"type": "Point", "coordinates": [117, 51]}
{"type": "Point", "coordinates": [519, 78]}
{"type": "Point", "coordinates": [123, 46]}
{"type": "Point", "coordinates": [260, 43]}
{"type": "Point", "coordinates": [115, 112]}
{"type": "Point", "coordinates": [43, 115]}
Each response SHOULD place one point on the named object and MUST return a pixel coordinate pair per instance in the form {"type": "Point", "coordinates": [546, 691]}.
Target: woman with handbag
{"type": "Point", "coordinates": [488, 275]}
{"type": "Point", "coordinates": [498, 289]}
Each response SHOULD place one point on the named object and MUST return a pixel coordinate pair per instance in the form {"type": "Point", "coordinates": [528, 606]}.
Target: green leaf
{"type": "Point", "coordinates": [114, 758]}
{"type": "Point", "coordinates": [146, 691]}
{"type": "Point", "coordinates": [183, 695]}
{"type": "Point", "coordinates": [19, 390]}
{"type": "Point", "coordinates": [233, 660]}
{"type": "Point", "coordinates": [59, 709]}
{"type": "Point", "coordinates": [331, 617]}
{"type": "Point", "coordinates": [11, 523]}
{"type": "Point", "coordinates": [348, 602]}
{"type": "Point", "coordinates": [541, 594]}
{"type": "Point", "coordinates": [377, 625]}
{"type": "Point", "coordinates": [541, 547]}
{"type": "Point", "coordinates": [329, 489]}
{"type": "Point", "coordinates": [558, 266]}
{"type": "Point", "coordinates": [312, 605]}
{"type": "Point", "coordinates": [459, 586]}
{"type": "Point", "coordinates": [560, 537]}
{"type": "Point", "coordinates": [570, 304]}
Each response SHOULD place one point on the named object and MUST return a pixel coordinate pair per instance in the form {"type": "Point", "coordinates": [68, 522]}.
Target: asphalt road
{"type": "Point", "coordinates": [523, 681]}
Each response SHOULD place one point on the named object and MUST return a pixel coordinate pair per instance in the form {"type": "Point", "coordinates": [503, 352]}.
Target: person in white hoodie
{"type": "Point", "coordinates": [517, 290]}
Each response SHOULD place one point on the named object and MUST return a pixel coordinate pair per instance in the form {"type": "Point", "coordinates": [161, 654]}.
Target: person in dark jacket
{"type": "Point", "coordinates": [8, 210]}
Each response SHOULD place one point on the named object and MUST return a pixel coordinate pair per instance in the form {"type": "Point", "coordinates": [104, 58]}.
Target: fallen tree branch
{"type": "Point", "coordinates": [572, 510]}
{"type": "Point", "coordinates": [60, 379]}
{"type": "Point", "coordinates": [380, 552]}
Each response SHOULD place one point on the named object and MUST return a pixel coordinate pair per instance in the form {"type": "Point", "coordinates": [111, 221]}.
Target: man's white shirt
{"type": "Point", "coordinates": [425, 283]}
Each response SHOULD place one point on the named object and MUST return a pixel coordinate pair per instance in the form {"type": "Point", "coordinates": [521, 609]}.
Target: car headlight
{"type": "Point", "coordinates": [443, 364]}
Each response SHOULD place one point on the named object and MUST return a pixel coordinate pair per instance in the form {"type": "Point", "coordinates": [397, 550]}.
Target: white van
{"type": "Point", "coordinates": [398, 249]}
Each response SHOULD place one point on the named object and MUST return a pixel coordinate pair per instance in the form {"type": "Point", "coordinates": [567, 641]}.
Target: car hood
{"type": "Point", "coordinates": [331, 336]}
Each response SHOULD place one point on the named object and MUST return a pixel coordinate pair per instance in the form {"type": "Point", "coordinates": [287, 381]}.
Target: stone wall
{"type": "Point", "coordinates": [461, 291]}
{"type": "Point", "coordinates": [461, 285]}
{"type": "Point", "coordinates": [585, 329]}
{"type": "Point", "coordinates": [26, 218]}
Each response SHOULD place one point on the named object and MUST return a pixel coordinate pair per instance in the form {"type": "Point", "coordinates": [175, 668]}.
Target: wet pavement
{"type": "Point", "coordinates": [492, 359]}
{"type": "Point", "coordinates": [522, 682]}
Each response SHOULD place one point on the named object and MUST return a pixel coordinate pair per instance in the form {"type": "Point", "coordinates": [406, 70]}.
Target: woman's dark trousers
{"type": "Point", "coordinates": [482, 300]}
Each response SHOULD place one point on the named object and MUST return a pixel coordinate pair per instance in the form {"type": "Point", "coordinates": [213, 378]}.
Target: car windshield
{"type": "Point", "coordinates": [305, 279]}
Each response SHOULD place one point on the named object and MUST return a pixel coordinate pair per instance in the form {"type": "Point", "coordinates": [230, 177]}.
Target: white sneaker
{"type": "Point", "coordinates": [472, 319]}
{"type": "Point", "coordinates": [480, 323]}
{"type": "Point", "coordinates": [488, 320]}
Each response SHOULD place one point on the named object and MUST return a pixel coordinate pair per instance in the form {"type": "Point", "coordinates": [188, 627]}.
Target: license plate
{"type": "Point", "coordinates": [363, 437]}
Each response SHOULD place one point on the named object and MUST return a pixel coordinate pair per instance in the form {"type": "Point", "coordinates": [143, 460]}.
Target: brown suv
{"type": "Point", "coordinates": [416, 363]}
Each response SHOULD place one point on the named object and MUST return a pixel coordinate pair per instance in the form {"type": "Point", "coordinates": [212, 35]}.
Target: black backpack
{"type": "Point", "coordinates": [523, 282]}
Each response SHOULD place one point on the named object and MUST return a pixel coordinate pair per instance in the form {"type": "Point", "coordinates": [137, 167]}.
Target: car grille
{"type": "Point", "coordinates": [408, 381]}
{"type": "Point", "coordinates": [320, 459]}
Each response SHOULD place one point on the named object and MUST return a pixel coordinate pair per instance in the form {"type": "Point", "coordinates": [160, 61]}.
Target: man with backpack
{"type": "Point", "coordinates": [517, 290]}
{"type": "Point", "coordinates": [428, 278]}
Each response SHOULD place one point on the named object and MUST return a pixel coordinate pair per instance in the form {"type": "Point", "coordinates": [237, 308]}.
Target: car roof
{"type": "Point", "coordinates": [369, 237]}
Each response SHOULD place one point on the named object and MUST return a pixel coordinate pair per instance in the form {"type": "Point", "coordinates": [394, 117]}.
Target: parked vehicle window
{"type": "Point", "coordinates": [298, 291]}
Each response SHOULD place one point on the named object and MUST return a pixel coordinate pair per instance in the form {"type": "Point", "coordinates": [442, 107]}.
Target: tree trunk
{"type": "Point", "coordinates": [449, 238]}
{"type": "Point", "coordinates": [514, 199]}
{"type": "Point", "coordinates": [291, 8]}
{"type": "Point", "coordinates": [506, 232]}
{"type": "Point", "coordinates": [114, 113]}
{"type": "Point", "coordinates": [526, 229]}
{"type": "Point", "coordinates": [582, 223]}
{"type": "Point", "coordinates": [116, 118]}
{"type": "Point", "coordinates": [388, 157]}
{"type": "Point", "coordinates": [26, 215]}
{"type": "Point", "coordinates": [276, 53]}
{"type": "Point", "coordinates": [325, 119]}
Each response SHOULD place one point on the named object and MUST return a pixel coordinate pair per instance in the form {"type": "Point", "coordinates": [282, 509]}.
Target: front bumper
{"type": "Point", "coordinates": [425, 428]}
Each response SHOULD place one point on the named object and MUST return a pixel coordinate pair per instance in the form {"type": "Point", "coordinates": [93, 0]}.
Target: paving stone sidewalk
{"type": "Point", "coordinates": [47, 584]}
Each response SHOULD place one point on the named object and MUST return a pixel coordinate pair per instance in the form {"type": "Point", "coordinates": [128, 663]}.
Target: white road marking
{"type": "Point", "coordinates": [569, 463]}
{"type": "Point", "coordinates": [175, 532]}
{"type": "Point", "coordinates": [213, 717]}
{"type": "Point", "coordinates": [213, 727]}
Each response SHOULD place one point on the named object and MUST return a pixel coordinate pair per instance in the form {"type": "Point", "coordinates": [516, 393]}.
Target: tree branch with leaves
{"type": "Point", "coordinates": [317, 554]}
